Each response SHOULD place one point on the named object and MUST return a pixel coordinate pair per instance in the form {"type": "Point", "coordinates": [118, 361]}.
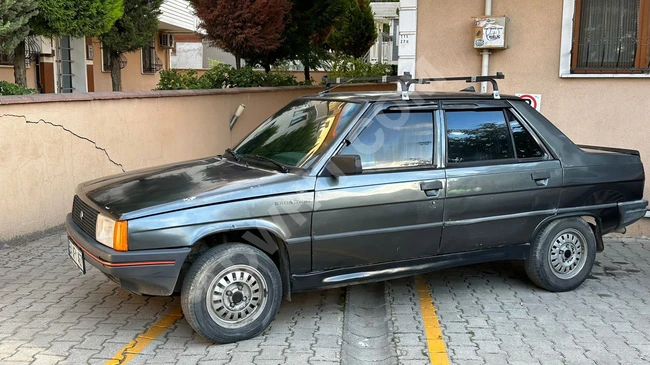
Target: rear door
{"type": "Point", "coordinates": [393, 210]}
{"type": "Point", "coordinates": [502, 181]}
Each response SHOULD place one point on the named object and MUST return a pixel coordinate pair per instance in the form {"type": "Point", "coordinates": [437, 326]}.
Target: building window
{"type": "Point", "coordinates": [611, 36]}
{"type": "Point", "coordinates": [106, 61]}
{"type": "Point", "coordinates": [149, 64]}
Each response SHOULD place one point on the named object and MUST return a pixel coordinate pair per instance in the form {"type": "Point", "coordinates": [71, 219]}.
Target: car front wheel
{"type": "Point", "coordinates": [562, 255]}
{"type": "Point", "coordinates": [231, 293]}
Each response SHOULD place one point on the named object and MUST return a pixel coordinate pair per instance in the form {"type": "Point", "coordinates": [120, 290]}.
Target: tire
{"type": "Point", "coordinates": [562, 255]}
{"type": "Point", "coordinates": [210, 282]}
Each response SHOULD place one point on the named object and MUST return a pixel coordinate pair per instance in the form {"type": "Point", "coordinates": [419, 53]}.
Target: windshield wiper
{"type": "Point", "coordinates": [233, 154]}
{"type": "Point", "coordinates": [280, 166]}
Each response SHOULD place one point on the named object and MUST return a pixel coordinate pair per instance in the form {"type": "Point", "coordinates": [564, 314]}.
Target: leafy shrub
{"type": "Point", "coordinates": [216, 77]}
{"type": "Point", "coordinates": [356, 67]}
{"type": "Point", "coordinates": [7, 88]}
{"type": "Point", "coordinates": [178, 80]}
{"type": "Point", "coordinates": [220, 76]}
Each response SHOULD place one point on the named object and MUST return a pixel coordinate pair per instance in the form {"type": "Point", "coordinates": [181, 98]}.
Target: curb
{"type": "Point", "coordinates": [367, 337]}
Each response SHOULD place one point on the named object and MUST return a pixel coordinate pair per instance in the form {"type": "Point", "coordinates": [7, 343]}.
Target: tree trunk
{"type": "Point", "coordinates": [305, 62]}
{"type": "Point", "coordinates": [20, 71]}
{"type": "Point", "coordinates": [237, 62]}
{"type": "Point", "coordinates": [116, 71]}
{"type": "Point", "coordinates": [267, 67]}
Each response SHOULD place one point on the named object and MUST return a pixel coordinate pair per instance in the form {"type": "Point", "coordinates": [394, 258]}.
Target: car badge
{"type": "Point", "coordinates": [81, 215]}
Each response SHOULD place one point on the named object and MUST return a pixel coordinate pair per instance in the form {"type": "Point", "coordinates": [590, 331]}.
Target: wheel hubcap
{"type": "Point", "coordinates": [237, 296]}
{"type": "Point", "coordinates": [567, 254]}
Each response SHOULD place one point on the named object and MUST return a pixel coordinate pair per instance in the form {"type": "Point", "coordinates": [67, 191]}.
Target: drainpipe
{"type": "Point", "coordinates": [485, 65]}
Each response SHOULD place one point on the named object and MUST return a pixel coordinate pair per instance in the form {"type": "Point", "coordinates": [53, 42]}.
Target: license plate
{"type": "Point", "coordinates": [76, 255]}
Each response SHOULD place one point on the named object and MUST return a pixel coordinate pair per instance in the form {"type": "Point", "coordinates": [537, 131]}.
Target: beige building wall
{"type": "Point", "coordinates": [133, 79]}
{"type": "Point", "coordinates": [41, 164]}
{"type": "Point", "coordinates": [7, 74]}
{"type": "Point", "coordinates": [609, 112]}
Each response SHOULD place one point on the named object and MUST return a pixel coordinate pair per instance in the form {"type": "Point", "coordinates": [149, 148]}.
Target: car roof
{"type": "Point", "coordinates": [390, 96]}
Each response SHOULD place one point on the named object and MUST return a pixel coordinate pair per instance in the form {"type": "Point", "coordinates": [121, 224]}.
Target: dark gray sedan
{"type": "Point", "coordinates": [345, 188]}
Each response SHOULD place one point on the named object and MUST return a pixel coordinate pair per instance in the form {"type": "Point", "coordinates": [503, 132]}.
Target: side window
{"type": "Point", "coordinates": [394, 140]}
{"type": "Point", "coordinates": [478, 136]}
{"type": "Point", "coordinates": [525, 144]}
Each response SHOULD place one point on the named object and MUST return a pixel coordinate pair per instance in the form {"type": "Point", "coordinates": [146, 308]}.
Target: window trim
{"type": "Point", "coordinates": [360, 127]}
{"type": "Point", "coordinates": [503, 161]}
{"type": "Point", "coordinates": [566, 58]}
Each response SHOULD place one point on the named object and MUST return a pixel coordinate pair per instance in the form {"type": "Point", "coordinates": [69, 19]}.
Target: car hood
{"type": "Point", "coordinates": [184, 185]}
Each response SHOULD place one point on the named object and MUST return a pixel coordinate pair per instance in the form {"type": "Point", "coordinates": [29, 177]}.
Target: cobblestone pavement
{"type": "Point", "coordinates": [492, 314]}
{"type": "Point", "coordinates": [489, 314]}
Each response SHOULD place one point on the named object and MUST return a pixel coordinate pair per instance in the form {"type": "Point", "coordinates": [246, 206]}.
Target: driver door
{"type": "Point", "coordinates": [392, 210]}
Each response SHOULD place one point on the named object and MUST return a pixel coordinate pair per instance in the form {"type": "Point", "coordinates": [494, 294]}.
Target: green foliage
{"type": "Point", "coordinates": [76, 18]}
{"type": "Point", "coordinates": [7, 88]}
{"type": "Point", "coordinates": [135, 29]}
{"type": "Point", "coordinates": [355, 30]}
{"type": "Point", "coordinates": [14, 22]}
{"type": "Point", "coordinates": [216, 77]}
{"type": "Point", "coordinates": [304, 37]}
{"type": "Point", "coordinates": [223, 76]}
{"type": "Point", "coordinates": [178, 80]}
{"type": "Point", "coordinates": [356, 67]}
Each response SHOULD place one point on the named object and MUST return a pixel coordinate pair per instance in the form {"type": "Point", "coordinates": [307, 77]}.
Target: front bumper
{"type": "Point", "coordinates": [630, 212]}
{"type": "Point", "coordinates": [150, 272]}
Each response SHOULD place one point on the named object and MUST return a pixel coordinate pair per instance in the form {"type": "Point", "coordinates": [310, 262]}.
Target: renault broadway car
{"type": "Point", "coordinates": [346, 188]}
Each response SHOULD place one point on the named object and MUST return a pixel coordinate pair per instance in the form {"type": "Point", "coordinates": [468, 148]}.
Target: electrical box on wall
{"type": "Point", "coordinates": [490, 32]}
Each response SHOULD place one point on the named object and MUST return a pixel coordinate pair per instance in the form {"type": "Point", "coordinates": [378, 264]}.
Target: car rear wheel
{"type": "Point", "coordinates": [562, 255]}
{"type": "Point", "coordinates": [231, 293]}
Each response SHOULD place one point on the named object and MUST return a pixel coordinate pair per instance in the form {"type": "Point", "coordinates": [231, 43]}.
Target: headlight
{"type": "Point", "coordinates": [112, 233]}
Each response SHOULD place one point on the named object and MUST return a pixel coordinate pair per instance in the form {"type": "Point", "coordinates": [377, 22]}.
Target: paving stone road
{"type": "Point", "coordinates": [489, 314]}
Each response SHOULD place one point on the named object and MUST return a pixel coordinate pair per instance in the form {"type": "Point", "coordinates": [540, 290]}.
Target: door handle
{"type": "Point", "coordinates": [431, 188]}
{"type": "Point", "coordinates": [541, 177]}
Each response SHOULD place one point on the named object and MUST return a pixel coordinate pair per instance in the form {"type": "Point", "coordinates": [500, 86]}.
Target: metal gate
{"type": "Point", "coordinates": [65, 63]}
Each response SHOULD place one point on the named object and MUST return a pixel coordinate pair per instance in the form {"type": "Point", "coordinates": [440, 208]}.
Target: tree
{"type": "Point", "coordinates": [134, 30]}
{"type": "Point", "coordinates": [75, 18]}
{"type": "Point", "coordinates": [14, 28]}
{"type": "Point", "coordinates": [14, 22]}
{"type": "Point", "coordinates": [246, 28]}
{"type": "Point", "coordinates": [355, 30]}
{"type": "Point", "coordinates": [311, 24]}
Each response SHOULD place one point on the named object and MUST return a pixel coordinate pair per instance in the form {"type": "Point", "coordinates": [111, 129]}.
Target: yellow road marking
{"type": "Point", "coordinates": [128, 352]}
{"type": "Point", "coordinates": [435, 341]}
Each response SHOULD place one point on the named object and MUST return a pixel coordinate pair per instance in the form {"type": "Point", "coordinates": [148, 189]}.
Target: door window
{"type": "Point", "coordinates": [525, 144]}
{"type": "Point", "coordinates": [478, 136]}
{"type": "Point", "coordinates": [395, 140]}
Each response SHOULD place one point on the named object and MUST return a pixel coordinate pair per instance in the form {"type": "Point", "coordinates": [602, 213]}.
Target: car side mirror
{"type": "Point", "coordinates": [344, 165]}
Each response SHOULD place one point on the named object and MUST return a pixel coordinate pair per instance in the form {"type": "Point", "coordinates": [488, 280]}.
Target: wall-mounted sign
{"type": "Point", "coordinates": [490, 32]}
{"type": "Point", "coordinates": [534, 100]}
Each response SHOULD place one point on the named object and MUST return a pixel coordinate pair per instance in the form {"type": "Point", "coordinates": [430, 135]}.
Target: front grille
{"type": "Point", "coordinates": [89, 220]}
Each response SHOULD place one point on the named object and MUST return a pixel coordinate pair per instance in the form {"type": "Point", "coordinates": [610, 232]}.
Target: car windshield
{"type": "Point", "coordinates": [296, 135]}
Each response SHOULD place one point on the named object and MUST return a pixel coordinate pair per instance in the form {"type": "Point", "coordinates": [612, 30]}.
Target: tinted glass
{"type": "Point", "coordinates": [478, 136]}
{"type": "Point", "coordinates": [299, 133]}
{"type": "Point", "coordinates": [525, 144]}
{"type": "Point", "coordinates": [395, 140]}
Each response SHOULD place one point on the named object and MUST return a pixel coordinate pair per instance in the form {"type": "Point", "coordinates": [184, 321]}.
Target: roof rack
{"type": "Point", "coordinates": [407, 80]}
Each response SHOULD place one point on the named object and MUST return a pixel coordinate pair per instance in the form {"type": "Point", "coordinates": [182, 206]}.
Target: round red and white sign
{"type": "Point", "coordinates": [531, 100]}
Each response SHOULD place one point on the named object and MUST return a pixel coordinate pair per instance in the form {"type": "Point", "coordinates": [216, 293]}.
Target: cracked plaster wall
{"type": "Point", "coordinates": [43, 160]}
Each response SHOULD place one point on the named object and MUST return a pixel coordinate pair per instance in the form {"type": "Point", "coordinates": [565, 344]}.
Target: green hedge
{"type": "Point", "coordinates": [347, 67]}
{"type": "Point", "coordinates": [222, 76]}
{"type": "Point", "coordinates": [7, 88]}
